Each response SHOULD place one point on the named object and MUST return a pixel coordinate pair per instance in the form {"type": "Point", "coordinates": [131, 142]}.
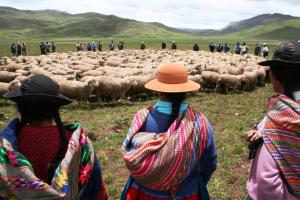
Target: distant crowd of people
{"type": "Point", "coordinates": [46, 47]}
{"type": "Point", "coordinates": [18, 49]}
{"type": "Point", "coordinates": [238, 49]}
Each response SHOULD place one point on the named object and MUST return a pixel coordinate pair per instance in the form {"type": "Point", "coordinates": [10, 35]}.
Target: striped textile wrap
{"type": "Point", "coordinates": [18, 181]}
{"type": "Point", "coordinates": [162, 161]}
{"type": "Point", "coordinates": [282, 139]}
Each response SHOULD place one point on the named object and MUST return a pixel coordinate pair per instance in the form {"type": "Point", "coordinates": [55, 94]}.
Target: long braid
{"type": "Point", "coordinates": [62, 146]}
{"type": "Point", "coordinates": [176, 99]}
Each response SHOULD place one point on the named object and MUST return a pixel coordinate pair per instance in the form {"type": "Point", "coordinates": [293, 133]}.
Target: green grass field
{"type": "Point", "coordinates": [231, 116]}
{"type": "Point", "coordinates": [183, 43]}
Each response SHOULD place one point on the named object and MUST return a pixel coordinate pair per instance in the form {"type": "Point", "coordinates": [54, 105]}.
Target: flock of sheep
{"type": "Point", "coordinates": [116, 74]}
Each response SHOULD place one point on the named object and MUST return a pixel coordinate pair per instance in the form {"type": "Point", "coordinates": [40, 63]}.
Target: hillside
{"type": "Point", "coordinates": [49, 23]}
{"type": "Point", "coordinates": [43, 24]}
{"type": "Point", "coordinates": [267, 26]}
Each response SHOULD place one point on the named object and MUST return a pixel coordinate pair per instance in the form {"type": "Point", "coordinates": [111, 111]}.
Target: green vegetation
{"type": "Point", "coordinates": [183, 43]}
{"type": "Point", "coordinates": [231, 115]}
{"type": "Point", "coordinates": [282, 30]}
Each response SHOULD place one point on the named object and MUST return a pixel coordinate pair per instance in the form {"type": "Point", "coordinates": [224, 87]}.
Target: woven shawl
{"type": "Point", "coordinates": [282, 139]}
{"type": "Point", "coordinates": [162, 161]}
{"type": "Point", "coordinates": [18, 181]}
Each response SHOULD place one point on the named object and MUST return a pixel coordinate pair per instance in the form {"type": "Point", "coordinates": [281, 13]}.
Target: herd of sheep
{"type": "Point", "coordinates": [116, 74]}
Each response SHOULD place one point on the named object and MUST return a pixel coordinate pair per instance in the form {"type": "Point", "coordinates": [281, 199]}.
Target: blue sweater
{"type": "Point", "coordinates": [159, 122]}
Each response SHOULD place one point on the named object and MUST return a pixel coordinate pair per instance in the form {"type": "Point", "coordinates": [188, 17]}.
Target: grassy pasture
{"type": "Point", "coordinates": [183, 43]}
{"type": "Point", "coordinates": [231, 116]}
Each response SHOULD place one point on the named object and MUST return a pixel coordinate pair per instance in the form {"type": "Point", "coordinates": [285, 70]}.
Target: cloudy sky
{"type": "Point", "coordinates": [198, 14]}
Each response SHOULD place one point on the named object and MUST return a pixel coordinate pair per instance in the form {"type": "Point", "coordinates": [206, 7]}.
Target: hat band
{"type": "Point", "coordinates": [171, 78]}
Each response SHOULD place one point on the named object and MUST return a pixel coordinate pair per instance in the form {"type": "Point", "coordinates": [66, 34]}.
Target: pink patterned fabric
{"type": "Point", "coordinates": [162, 161]}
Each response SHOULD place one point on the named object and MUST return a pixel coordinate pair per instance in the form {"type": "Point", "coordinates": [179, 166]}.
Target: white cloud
{"type": "Point", "coordinates": [200, 14]}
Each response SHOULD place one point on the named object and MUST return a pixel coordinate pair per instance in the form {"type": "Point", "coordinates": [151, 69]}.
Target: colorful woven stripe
{"type": "Point", "coordinates": [70, 179]}
{"type": "Point", "coordinates": [162, 161]}
{"type": "Point", "coordinates": [282, 139]}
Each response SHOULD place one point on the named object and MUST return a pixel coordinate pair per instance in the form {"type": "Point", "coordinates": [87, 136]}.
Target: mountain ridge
{"type": "Point", "coordinates": [49, 23]}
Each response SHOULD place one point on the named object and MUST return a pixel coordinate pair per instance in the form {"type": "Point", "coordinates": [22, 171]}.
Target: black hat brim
{"type": "Point", "coordinates": [279, 62]}
{"type": "Point", "coordinates": [18, 96]}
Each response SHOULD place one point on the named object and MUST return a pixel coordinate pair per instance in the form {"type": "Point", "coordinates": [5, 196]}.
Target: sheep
{"type": "Point", "coordinates": [250, 80]}
{"type": "Point", "coordinates": [112, 87]}
{"type": "Point", "coordinates": [4, 87]}
{"type": "Point", "coordinates": [114, 63]}
{"type": "Point", "coordinates": [261, 76]}
{"type": "Point", "coordinates": [83, 67]}
{"type": "Point", "coordinates": [196, 78]}
{"type": "Point", "coordinates": [77, 90]}
{"type": "Point", "coordinates": [39, 70]}
{"type": "Point", "coordinates": [210, 79]}
{"type": "Point", "coordinates": [228, 82]}
{"type": "Point", "coordinates": [235, 70]}
{"type": "Point", "coordinates": [95, 72]}
{"type": "Point", "coordinates": [15, 84]}
{"type": "Point", "coordinates": [22, 72]}
{"type": "Point", "coordinates": [7, 77]}
{"type": "Point", "coordinates": [138, 83]}
{"type": "Point", "coordinates": [12, 67]}
{"type": "Point", "coordinates": [220, 71]}
{"type": "Point", "coordinates": [21, 78]}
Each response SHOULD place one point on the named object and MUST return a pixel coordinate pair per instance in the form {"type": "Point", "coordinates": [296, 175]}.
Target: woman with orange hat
{"type": "Point", "coordinates": [40, 157]}
{"type": "Point", "coordinates": [169, 150]}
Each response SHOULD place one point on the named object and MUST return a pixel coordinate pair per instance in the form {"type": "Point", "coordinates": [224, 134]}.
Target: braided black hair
{"type": "Point", "coordinates": [288, 77]}
{"type": "Point", "coordinates": [33, 113]}
{"type": "Point", "coordinates": [176, 99]}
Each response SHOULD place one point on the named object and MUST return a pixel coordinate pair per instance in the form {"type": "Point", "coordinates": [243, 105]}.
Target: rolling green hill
{"type": "Point", "coordinates": [19, 24]}
{"type": "Point", "coordinates": [265, 27]}
{"type": "Point", "coordinates": [282, 30]}
{"type": "Point", "coordinates": [49, 23]}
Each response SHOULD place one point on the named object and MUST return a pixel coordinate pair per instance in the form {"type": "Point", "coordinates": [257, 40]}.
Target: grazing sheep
{"type": "Point", "coordinates": [95, 72]}
{"type": "Point", "coordinates": [261, 76]}
{"type": "Point", "coordinates": [138, 83]}
{"type": "Point", "coordinates": [196, 78]}
{"type": "Point", "coordinates": [7, 77]}
{"type": "Point", "coordinates": [112, 87]}
{"type": "Point", "coordinates": [12, 67]}
{"type": "Point", "coordinates": [210, 79]}
{"type": "Point", "coordinates": [127, 71]}
{"type": "Point", "coordinates": [250, 80]}
{"type": "Point", "coordinates": [4, 87]}
{"type": "Point", "coordinates": [228, 82]}
{"type": "Point", "coordinates": [77, 90]}
{"type": "Point", "coordinates": [14, 85]}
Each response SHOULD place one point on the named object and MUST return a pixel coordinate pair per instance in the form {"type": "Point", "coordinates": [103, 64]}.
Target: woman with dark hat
{"type": "Point", "coordinates": [40, 157]}
{"type": "Point", "coordinates": [169, 149]}
{"type": "Point", "coordinates": [275, 169]}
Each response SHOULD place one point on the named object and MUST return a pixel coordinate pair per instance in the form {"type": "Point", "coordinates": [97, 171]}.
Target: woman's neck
{"type": "Point", "coordinates": [44, 122]}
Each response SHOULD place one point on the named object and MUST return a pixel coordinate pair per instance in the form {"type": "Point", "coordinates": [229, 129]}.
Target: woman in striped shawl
{"type": "Point", "coordinates": [169, 149]}
{"type": "Point", "coordinates": [275, 170]}
{"type": "Point", "coordinates": [42, 158]}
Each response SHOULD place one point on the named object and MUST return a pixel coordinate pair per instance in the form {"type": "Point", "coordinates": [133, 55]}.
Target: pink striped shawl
{"type": "Point", "coordinates": [162, 161]}
{"type": "Point", "coordinates": [282, 139]}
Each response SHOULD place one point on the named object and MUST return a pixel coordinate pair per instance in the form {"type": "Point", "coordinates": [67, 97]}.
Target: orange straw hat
{"type": "Point", "coordinates": [172, 78]}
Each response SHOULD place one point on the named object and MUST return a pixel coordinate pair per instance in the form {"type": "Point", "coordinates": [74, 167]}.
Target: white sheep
{"type": "Point", "coordinates": [76, 89]}
{"type": "Point", "coordinates": [7, 77]}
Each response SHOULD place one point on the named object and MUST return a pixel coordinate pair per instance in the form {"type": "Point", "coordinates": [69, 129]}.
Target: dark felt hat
{"type": "Point", "coordinates": [286, 54]}
{"type": "Point", "coordinates": [38, 89]}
